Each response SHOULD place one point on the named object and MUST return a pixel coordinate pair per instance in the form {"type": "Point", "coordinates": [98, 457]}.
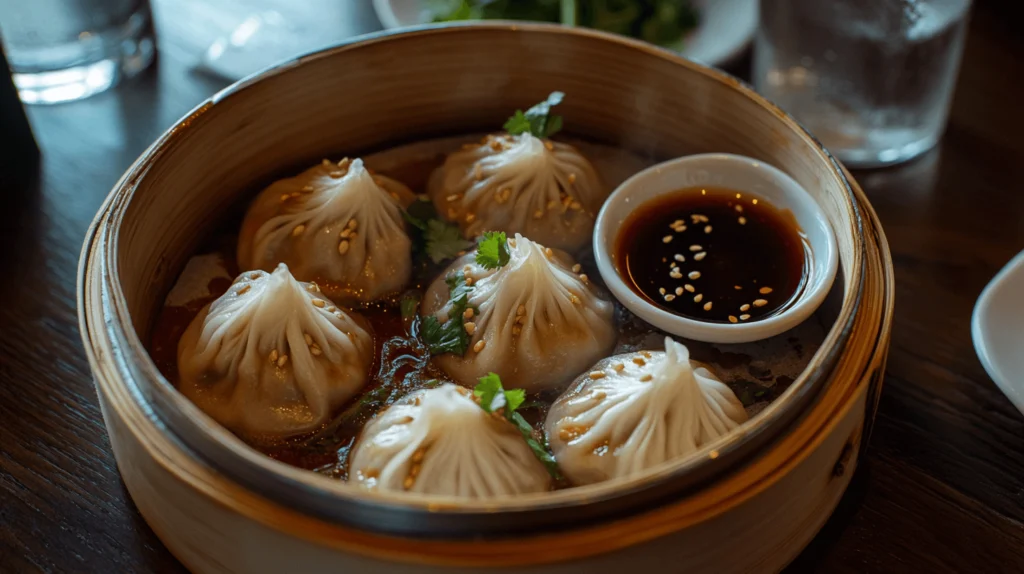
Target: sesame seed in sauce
{"type": "Point", "coordinates": [764, 290]}
{"type": "Point", "coordinates": [576, 268]}
{"type": "Point", "coordinates": [689, 287]}
{"type": "Point", "coordinates": [696, 247]}
{"type": "Point", "coordinates": [707, 229]}
{"type": "Point", "coordinates": [319, 303]}
{"type": "Point", "coordinates": [666, 239]}
{"type": "Point", "coordinates": [698, 297]}
{"type": "Point", "coordinates": [679, 257]}
{"type": "Point", "coordinates": [282, 360]}
{"type": "Point", "coordinates": [516, 329]}
{"type": "Point", "coordinates": [343, 247]}
{"type": "Point", "coordinates": [352, 223]}
{"type": "Point", "coordinates": [479, 346]}
{"type": "Point", "coordinates": [346, 233]}
{"type": "Point", "coordinates": [700, 256]}
{"type": "Point", "coordinates": [661, 290]}
{"type": "Point", "coordinates": [739, 208]}
{"type": "Point", "coordinates": [273, 356]}
{"type": "Point", "coordinates": [331, 309]}
{"type": "Point", "coordinates": [742, 220]}
{"type": "Point", "coordinates": [760, 302]}
{"type": "Point", "coordinates": [675, 273]}
{"type": "Point", "coordinates": [707, 306]}
{"type": "Point", "coordinates": [670, 297]}
{"type": "Point", "coordinates": [744, 317]}
{"type": "Point", "coordinates": [297, 231]}
{"type": "Point", "coordinates": [584, 278]}
{"type": "Point", "coordinates": [679, 290]}
{"type": "Point", "coordinates": [745, 307]}
{"type": "Point", "coordinates": [693, 275]}
{"type": "Point", "coordinates": [733, 319]}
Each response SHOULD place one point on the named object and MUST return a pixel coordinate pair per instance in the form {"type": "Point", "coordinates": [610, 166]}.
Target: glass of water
{"type": "Point", "coordinates": [873, 79]}
{"type": "Point", "coordinates": [63, 50]}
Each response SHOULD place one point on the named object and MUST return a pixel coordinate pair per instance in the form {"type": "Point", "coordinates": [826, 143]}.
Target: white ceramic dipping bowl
{"type": "Point", "coordinates": [744, 175]}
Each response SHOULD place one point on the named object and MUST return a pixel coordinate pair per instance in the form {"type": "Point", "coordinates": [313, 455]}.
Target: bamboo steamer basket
{"type": "Point", "coordinates": [749, 502]}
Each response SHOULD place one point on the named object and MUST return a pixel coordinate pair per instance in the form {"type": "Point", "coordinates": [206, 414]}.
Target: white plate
{"type": "Point", "coordinates": [997, 328]}
{"type": "Point", "coordinates": [727, 26]}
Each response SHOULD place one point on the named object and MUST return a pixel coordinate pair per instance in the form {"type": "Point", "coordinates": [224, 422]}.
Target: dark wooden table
{"type": "Point", "coordinates": [941, 489]}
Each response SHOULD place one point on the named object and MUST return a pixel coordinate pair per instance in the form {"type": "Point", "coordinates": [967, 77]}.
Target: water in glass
{"type": "Point", "coordinates": [873, 79]}
{"type": "Point", "coordinates": [63, 50]}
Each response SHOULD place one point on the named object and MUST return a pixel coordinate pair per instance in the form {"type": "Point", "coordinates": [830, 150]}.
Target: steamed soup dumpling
{"type": "Point", "coordinates": [634, 411]}
{"type": "Point", "coordinates": [540, 188]}
{"type": "Point", "coordinates": [439, 441]}
{"type": "Point", "coordinates": [335, 224]}
{"type": "Point", "coordinates": [536, 320]}
{"type": "Point", "coordinates": [273, 357]}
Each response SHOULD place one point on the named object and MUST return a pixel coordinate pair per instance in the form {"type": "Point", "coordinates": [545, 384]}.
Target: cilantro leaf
{"type": "Point", "coordinates": [517, 124]}
{"type": "Point", "coordinates": [419, 212]}
{"type": "Point", "coordinates": [409, 304]}
{"type": "Point", "coordinates": [444, 240]}
{"type": "Point", "coordinates": [493, 397]}
{"type": "Point", "coordinates": [487, 390]}
{"type": "Point", "coordinates": [450, 336]}
{"type": "Point", "coordinates": [537, 120]}
{"type": "Point", "coordinates": [492, 251]}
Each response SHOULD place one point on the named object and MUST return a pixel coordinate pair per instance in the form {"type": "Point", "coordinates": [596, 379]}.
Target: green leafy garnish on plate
{"type": "Point", "coordinates": [494, 398]}
{"type": "Point", "coordinates": [537, 120]}
{"type": "Point", "coordinates": [492, 251]}
{"type": "Point", "coordinates": [450, 336]}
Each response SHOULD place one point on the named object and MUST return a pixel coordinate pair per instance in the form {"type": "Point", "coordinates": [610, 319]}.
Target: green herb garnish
{"type": "Point", "coordinates": [439, 239]}
{"type": "Point", "coordinates": [409, 304]}
{"type": "Point", "coordinates": [493, 397]}
{"type": "Point", "coordinates": [537, 120]}
{"type": "Point", "coordinates": [444, 241]}
{"type": "Point", "coordinates": [492, 251]}
{"type": "Point", "coordinates": [450, 336]}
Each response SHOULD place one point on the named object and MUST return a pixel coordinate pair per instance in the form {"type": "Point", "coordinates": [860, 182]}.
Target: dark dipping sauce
{"type": "Point", "coordinates": [714, 255]}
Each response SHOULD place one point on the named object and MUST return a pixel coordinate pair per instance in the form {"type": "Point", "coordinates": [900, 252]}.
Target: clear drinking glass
{"type": "Point", "coordinates": [62, 50]}
{"type": "Point", "coordinates": [873, 79]}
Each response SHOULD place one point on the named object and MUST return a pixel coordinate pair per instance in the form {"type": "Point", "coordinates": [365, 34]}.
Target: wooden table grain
{"type": "Point", "coordinates": [942, 485]}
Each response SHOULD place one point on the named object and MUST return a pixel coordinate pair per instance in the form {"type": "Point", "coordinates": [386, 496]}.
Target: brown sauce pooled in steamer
{"type": "Point", "coordinates": [714, 255]}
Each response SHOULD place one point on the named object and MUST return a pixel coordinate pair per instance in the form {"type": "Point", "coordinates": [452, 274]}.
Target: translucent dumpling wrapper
{"type": "Point", "coordinates": [439, 441]}
{"type": "Point", "coordinates": [537, 321]}
{"type": "Point", "coordinates": [336, 224]}
{"type": "Point", "coordinates": [273, 357]}
{"type": "Point", "coordinates": [635, 411]}
{"type": "Point", "coordinates": [540, 188]}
